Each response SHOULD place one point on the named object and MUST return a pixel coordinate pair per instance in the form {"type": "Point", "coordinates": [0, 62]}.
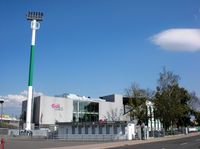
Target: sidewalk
{"type": "Point", "coordinates": [125, 143]}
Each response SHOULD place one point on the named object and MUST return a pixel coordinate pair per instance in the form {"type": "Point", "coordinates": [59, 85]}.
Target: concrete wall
{"type": "Point", "coordinates": [65, 132]}
{"type": "Point", "coordinates": [48, 110]}
{"type": "Point", "coordinates": [111, 110]}
{"type": "Point", "coordinates": [36, 109]}
{"type": "Point", "coordinates": [55, 109]}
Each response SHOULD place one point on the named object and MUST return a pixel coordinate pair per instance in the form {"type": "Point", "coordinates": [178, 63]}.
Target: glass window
{"type": "Point", "coordinates": [96, 107]}
{"type": "Point", "coordinates": [81, 117]}
{"type": "Point", "coordinates": [75, 104]}
{"type": "Point", "coordinates": [94, 117]}
{"type": "Point", "coordinates": [85, 111]}
{"type": "Point", "coordinates": [86, 107]}
{"type": "Point", "coordinates": [87, 118]}
{"type": "Point", "coordinates": [90, 107]}
{"type": "Point", "coordinates": [81, 107]}
{"type": "Point", "coordinates": [93, 107]}
{"type": "Point", "coordinates": [75, 117]}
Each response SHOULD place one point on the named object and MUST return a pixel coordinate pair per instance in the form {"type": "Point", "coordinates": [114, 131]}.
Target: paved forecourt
{"type": "Point", "coordinates": [126, 143]}
{"type": "Point", "coordinates": [57, 144]}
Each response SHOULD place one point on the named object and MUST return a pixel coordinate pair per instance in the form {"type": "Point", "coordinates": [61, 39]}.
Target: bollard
{"type": "Point", "coordinates": [2, 143]}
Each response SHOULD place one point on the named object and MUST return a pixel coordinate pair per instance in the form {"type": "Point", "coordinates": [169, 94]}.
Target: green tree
{"type": "Point", "coordinates": [197, 118]}
{"type": "Point", "coordinates": [181, 108]}
{"type": "Point", "coordinates": [171, 101]}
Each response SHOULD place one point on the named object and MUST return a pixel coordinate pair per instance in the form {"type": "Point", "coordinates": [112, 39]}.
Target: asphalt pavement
{"type": "Point", "coordinates": [184, 143]}
{"type": "Point", "coordinates": [40, 144]}
{"type": "Point", "coordinates": [190, 141]}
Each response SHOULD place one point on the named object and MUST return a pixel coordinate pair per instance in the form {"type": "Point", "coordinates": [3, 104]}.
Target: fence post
{"type": "Point", "coordinates": [2, 143]}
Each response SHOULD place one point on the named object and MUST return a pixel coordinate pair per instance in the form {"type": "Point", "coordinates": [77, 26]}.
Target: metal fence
{"type": "Point", "coordinates": [140, 134]}
{"type": "Point", "coordinates": [91, 137]}
{"type": "Point", "coordinates": [32, 133]}
{"type": "Point", "coordinates": [4, 131]}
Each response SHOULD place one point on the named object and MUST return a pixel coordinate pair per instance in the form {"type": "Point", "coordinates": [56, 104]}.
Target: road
{"type": "Point", "coordinates": [38, 144]}
{"type": "Point", "coordinates": [184, 143]}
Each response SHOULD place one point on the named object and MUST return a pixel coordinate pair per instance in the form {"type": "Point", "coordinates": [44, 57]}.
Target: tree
{"type": "Point", "coordinates": [171, 101]}
{"type": "Point", "coordinates": [194, 104]}
{"type": "Point", "coordinates": [181, 108]}
{"type": "Point", "coordinates": [137, 103]}
{"type": "Point", "coordinates": [197, 118]}
{"type": "Point", "coordinates": [114, 114]}
{"type": "Point", "coordinates": [166, 80]}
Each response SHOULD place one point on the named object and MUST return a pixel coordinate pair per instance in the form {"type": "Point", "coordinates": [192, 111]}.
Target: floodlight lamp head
{"type": "Point", "coordinates": [1, 101]}
{"type": "Point", "coordinates": [34, 16]}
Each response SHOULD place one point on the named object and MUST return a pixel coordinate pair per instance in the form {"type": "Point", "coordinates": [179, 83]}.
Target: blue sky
{"type": "Point", "coordinates": [98, 47]}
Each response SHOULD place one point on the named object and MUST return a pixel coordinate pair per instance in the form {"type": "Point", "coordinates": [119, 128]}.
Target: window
{"type": "Point", "coordinates": [75, 105]}
{"type": "Point", "coordinates": [87, 118]}
{"type": "Point", "coordinates": [75, 117]}
{"type": "Point", "coordinates": [96, 107]}
{"type": "Point", "coordinates": [81, 107]}
{"type": "Point", "coordinates": [94, 117]}
{"type": "Point", "coordinates": [85, 111]}
{"type": "Point", "coordinates": [81, 117]}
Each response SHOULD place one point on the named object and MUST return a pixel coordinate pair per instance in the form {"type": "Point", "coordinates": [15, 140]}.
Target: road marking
{"type": "Point", "coordinates": [184, 143]}
{"type": "Point", "coordinates": [197, 140]}
{"type": "Point", "coordinates": [163, 148]}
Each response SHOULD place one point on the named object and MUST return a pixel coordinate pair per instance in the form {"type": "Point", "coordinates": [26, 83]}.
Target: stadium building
{"type": "Point", "coordinates": [73, 108]}
{"type": "Point", "coordinates": [77, 117]}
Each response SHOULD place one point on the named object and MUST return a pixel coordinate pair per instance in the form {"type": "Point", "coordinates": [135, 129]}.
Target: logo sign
{"type": "Point", "coordinates": [56, 106]}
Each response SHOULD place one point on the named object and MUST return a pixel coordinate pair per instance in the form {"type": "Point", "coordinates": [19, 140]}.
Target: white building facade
{"type": "Point", "coordinates": [72, 108]}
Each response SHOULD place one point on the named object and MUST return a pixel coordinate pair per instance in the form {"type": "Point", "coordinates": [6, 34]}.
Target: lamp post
{"type": "Point", "coordinates": [1, 102]}
{"type": "Point", "coordinates": [35, 18]}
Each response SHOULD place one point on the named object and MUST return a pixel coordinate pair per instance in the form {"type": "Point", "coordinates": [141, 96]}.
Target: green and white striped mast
{"type": "Point", "coordinates": [35, 18]}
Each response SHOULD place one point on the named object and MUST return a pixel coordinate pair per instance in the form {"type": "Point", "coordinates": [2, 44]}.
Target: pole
{"type": "Point", "coordinates": [1, 113]}
{"type": "Point", "coordinates": [2, 143]}
{"type": "Point", "coordinates": [34, 27]}
{"type": "Point", "coordinates": [1, 102]}
{"type": "Point", "coordinates": [34, 17]}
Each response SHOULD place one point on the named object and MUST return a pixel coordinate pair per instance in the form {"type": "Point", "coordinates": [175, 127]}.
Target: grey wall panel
{"type": "Point", "coordinates": [55, 109]}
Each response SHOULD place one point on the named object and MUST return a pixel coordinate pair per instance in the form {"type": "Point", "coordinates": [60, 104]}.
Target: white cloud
{"type": "Point", "coordinates": [178, 39]}
{"type": "Point", "coordinates": [15, 100]}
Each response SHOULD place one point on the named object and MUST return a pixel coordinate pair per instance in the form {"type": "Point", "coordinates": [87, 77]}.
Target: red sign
{"type": "Point", "coordinates": [56, 106]}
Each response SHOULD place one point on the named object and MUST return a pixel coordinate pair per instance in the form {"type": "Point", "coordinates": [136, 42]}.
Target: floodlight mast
{"type": "Point", "coordinates": [35, 18]}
